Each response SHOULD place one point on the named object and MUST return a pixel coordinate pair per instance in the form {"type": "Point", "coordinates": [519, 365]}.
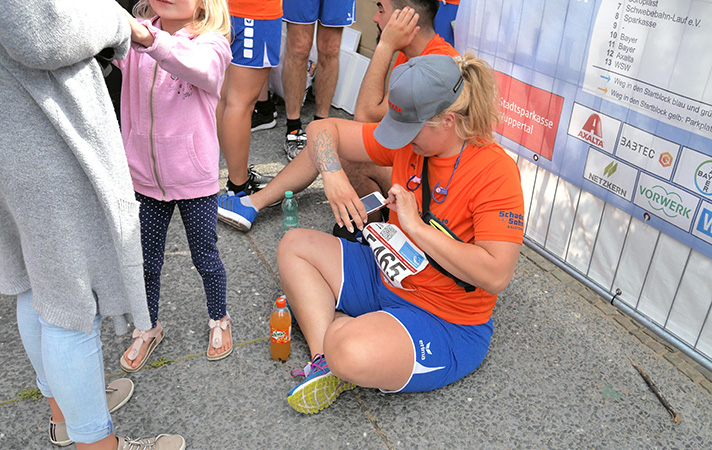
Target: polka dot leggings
{"type": "Point", "coordinates": [200, 218]}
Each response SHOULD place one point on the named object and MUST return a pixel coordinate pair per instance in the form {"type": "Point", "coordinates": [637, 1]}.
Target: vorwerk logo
{"type": "Point", "coordinates": [591, 131]}
{"type": "Point", "coordinates": [670, 203]}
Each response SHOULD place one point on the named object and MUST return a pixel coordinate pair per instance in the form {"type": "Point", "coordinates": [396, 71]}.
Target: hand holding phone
{"type": "Point", "coordinates": [373, 202]}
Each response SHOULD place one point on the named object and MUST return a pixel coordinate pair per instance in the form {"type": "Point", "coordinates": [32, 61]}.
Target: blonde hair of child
{"type": "Point", "coordinates": [209, 16]}
{"type": "Point", "coordinates": [477, 109]}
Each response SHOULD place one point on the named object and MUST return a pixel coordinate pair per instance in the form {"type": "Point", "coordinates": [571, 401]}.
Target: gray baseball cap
{"type": "Point", "coordinates": [420, 89]}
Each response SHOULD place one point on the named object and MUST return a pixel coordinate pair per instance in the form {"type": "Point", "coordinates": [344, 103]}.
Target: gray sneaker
{"type": "Point", "coordinates": [160, 442]}
{"type": "Point", "coordinates": [294, 143]}
{"type": "Point", "coordinates": [118, 392]}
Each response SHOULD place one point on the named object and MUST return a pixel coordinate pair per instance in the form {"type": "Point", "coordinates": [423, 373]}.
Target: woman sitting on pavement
{"type": "Point", "coordinates": [413, 301]}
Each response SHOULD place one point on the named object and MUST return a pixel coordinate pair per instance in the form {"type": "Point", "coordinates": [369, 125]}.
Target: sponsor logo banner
{"type": "Point", "coordinates": [610, 174]}
{"type": "Point", "coordinates": [694, 171]}
{"type": "Point", "coordinates": [666, 201]}
{"type": "Point", "coordinates": [703, 226]}
{"type": "Point", "coordinates": [530, 116]}
{"type": "Point", "coordinates": [593, 127]}
{"type": "Point", "coordinates": [647, 151]}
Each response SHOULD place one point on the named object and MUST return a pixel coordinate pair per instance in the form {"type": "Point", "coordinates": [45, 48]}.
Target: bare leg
{"type": "Point", "coordinates": [328, 43]}
{"type": "Point", "coordinates": [311, 283]}
{"type": "Point", "coordinates": [294, 72]}
{"type": "Point", "coordinates": [108, 443]}
{"type": "Point", "coordinates": [372, 350]}
{"type": "Point", "coordinates": [264, 93]}
{"type": "Point", "coordinates": [295, 177]}
{"type": "Point", "coordinates": [241, 88]}
{"type": "Point", "coordinates": [57, 415]}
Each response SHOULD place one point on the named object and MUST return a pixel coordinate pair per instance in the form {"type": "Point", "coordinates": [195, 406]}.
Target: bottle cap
{"type": "Point", "coordinates": [288, 194]}
{"type": "Point", "coordinates": [281, 301]}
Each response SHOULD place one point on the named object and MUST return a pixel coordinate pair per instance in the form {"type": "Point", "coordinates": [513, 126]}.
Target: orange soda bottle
{"type": "Point", "coordinates": [280, 330]}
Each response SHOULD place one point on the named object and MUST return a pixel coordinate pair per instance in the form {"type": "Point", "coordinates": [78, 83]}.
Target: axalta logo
{"type": "Point", "coordinates": [394, 107]}
{"type": "Point", "coordinates": [591, 131]}
{"type": "Point", "coordinates": [670, 203]}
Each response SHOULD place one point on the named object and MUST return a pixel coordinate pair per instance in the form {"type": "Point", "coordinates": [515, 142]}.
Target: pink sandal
{"type": "Point", "coordinates": [153, 337]}
{"type": "Point", "coordinates": [216, 329]}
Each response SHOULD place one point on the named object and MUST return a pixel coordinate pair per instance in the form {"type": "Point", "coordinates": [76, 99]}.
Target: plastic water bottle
{"type": "Point", "coordinates": [289, 212]}
{"type": "Point", "coordinates": [280, 330]}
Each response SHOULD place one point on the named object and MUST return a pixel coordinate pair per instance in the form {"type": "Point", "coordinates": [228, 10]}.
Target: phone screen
{"type": "Point", "coordinates": [371, 202]}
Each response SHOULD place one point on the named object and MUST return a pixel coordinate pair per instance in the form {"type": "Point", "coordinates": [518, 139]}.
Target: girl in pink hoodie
{"type": "Point", "coordinates": [171, 86]}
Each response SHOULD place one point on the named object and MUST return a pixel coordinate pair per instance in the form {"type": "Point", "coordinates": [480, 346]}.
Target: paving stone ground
{"type": "Point", "coordinates": [558, 374]}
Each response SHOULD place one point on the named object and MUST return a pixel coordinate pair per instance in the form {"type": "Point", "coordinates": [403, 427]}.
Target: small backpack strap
{"type": "Point", "coordinates": [425, 204]}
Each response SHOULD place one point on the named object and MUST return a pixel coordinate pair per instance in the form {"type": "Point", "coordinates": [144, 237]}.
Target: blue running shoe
{"type": "Point", "coordinates": [320, 388]}
{"type": "Point", "coordinates": [232, 212]}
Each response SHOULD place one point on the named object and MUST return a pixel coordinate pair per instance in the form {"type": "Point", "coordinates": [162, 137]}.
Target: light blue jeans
{"type": "Point", "coordinates": [70, 369]}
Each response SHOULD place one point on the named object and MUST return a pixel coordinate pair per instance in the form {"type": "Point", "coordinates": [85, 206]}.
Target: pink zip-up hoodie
{"type": "Point", "coordinates": [168, 98]}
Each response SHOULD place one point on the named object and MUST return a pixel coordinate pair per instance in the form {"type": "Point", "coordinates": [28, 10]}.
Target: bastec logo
{"type": "Point", "coordinates": [591, 131]}
{"type": "Point", "coordinates": [666, 159]}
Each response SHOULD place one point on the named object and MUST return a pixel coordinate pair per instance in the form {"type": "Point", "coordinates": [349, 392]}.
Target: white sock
{"type": "Point", "coordinates": [247, 202]}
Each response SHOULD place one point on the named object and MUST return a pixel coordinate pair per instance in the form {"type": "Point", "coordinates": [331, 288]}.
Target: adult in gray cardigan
{"type": "Point", "coordinates": [69, 231]}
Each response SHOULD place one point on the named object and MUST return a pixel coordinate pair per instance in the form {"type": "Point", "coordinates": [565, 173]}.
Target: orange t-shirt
{"type": "Point", "coordinates": [436, 46]}
{"type": "Point", "coordinates": [484, 202]}
{"type": "Point", "coordinates": [256, 9]}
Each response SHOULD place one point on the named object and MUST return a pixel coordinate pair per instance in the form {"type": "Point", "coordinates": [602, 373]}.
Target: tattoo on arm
{"type": "Point", "coordinates": [325, 153]}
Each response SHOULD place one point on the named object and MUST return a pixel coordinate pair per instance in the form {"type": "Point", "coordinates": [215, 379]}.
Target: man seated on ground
{"type": "Point", "coordinates": [410, 308]}
{"type": "Point", "coordinates": [405, 25]}
{"type": "Point", "coordinates": [398, 31]}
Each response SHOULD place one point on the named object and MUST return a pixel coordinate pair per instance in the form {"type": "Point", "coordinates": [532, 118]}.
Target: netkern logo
{"type": "Point", "coordinates": [610, 169]}
{"type": "Point", "coordinates": [591, 131]}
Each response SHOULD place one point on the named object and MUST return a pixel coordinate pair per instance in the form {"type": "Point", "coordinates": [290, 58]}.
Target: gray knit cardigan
{"type": "Point", "coordinates": [69, 226]}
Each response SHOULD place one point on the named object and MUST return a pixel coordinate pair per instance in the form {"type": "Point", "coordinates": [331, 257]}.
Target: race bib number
{"type": "Point", "coordinates": [395, 254]}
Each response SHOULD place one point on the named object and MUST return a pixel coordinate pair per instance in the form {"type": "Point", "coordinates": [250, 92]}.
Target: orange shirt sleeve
{"type": "Point", "coordinates": [378, 153]}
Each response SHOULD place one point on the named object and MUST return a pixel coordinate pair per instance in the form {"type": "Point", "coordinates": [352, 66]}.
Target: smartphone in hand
{"type": "Point", "coordinates": [373, 202]}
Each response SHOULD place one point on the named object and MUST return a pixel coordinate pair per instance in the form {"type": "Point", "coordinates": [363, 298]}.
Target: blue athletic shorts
{"type": "Point", "coordinates": [444, 352]}
{"type": "Point", "coordinates": [331, 13]}
{"type": "Point", "coordinates": [443, 22]}
{"type": "Point", "coordinates": [256, 43]}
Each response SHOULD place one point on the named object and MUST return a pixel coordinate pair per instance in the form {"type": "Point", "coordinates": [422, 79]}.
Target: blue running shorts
{"type": "Point", "coordinates": [443, 22]}
{"type": "Point", "coordinates": [444, 352]}
{"type": "Point", "coordinates": [331, 13]}
{"type": "Point", "coordinates": [256, 43]}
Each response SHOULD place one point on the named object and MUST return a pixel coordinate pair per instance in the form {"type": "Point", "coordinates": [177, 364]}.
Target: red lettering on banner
{"type": "Point", "coordinates": [530, 116]}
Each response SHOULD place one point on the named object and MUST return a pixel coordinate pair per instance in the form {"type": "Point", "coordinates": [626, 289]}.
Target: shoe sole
{"type": "Point", "coordinates": [264, 126]}
{"type": "Point", "coordinates": [151, 347]}
{"type": "Point", "coordinates": [319, 394]}
{"type": "Point", "coordinates": [230, 218]}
